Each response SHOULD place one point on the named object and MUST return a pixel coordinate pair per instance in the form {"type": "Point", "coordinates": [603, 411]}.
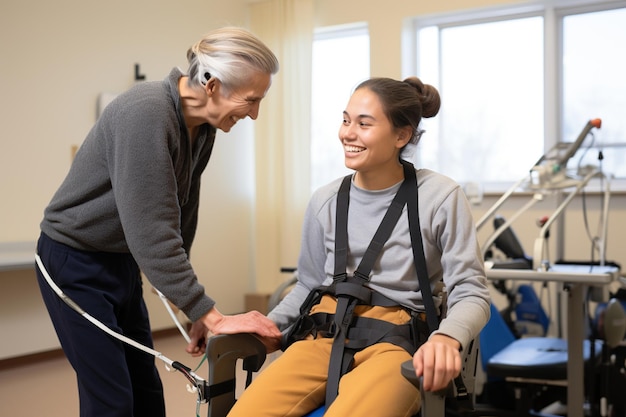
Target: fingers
{"type": "Point", "coordinates": [251, 322]}
{"type": "Point", "coordinates": [418, 363]}
{"type": "Point", "coordinates": [264, 326]}
{"type": "Point", "coordinates": [437, 363]}
{"type": "Point", "coordinates": [197, 342]}
{"type": "Point", "coordinates": [446, 368]}
{"type": "Point", "coordinates": [196, 347]}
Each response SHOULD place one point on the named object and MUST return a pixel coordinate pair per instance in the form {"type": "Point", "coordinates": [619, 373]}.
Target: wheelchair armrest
{"type": "Point", "coordinates": [433, 402]}
{"type": "Point", "coordinates": [223, 352]}
{"type": "Point", "coordinates": [460, 391]}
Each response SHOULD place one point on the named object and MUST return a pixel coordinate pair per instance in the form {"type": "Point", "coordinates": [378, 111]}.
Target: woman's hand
{"type": "Point", "coordinates": [250, 322]}
{"type": "Point", "coordinates": [198, 335]}
{"type": "Point", "coordinates": [216, 323]}
{"type": "Point", "coordinates": [438, 361]}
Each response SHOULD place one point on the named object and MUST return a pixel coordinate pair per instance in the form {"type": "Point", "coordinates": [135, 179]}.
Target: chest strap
{"type": "Point", "coordinates": [352, 290]}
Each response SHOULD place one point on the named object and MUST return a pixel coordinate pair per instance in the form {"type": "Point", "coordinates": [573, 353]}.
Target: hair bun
{"type": "Point", "coordinates": [428, 95]}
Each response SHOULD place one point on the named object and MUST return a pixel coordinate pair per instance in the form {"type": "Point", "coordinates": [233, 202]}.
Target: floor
{"type": "Point", "coordinates": [46, 387]}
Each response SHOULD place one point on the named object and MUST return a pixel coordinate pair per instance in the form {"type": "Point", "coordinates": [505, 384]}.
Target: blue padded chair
{"type": "Point", "coordinates": [494, 337]}
{"type": "Point", "coordinates": [530, 365]}
{"type": "Point", "coordinates": [316, 413]}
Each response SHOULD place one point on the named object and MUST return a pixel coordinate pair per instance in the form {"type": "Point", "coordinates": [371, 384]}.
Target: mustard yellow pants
{"type": "Point", "coordinates": [295, 383]}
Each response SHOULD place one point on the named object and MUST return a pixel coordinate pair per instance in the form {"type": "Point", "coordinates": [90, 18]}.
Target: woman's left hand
{"type": "Point", "coordinates": [438, 361]}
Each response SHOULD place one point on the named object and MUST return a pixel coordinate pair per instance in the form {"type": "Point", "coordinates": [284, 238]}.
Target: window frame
{"type": "Point", "coordinates": [553, 13]}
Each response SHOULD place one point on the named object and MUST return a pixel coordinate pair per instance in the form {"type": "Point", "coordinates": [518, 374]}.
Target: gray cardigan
{"type": "Point", "coordinates": [134, 188]}
{"type": "Point", "coordinates": [452, 252]}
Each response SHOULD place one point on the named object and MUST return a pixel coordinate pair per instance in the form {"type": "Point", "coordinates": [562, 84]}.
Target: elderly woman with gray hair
{"type": "Point", "coordinates": [130, 203]}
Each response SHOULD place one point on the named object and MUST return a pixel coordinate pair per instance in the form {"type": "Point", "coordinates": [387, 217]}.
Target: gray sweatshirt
{"type": "Point", "coordinates": [134, 188]}
{"type": "Point", "coordinates": [450, 245]}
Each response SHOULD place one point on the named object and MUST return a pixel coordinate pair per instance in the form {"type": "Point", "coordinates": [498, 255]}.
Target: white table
{"type": "Point", "coordinates": [577, 278]}
{"type": "Point", "coordinates": [17, 255]}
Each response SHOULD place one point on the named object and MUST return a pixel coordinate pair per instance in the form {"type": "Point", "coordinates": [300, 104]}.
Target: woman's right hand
{"type": "Point", "coordinates": [250, 322]}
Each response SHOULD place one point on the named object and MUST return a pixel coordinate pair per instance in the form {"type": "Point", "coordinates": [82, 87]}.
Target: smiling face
{"type": "Point", "coordinates": [224, 110]}
{"type": "Point", "coordinates": [371, 143]}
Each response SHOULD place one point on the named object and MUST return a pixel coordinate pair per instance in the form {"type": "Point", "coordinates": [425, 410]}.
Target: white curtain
{"type": "Point", "coordinates": [282, 138]}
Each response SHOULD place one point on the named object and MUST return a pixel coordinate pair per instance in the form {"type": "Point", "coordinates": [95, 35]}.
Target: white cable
{"type": "Point", "coordinates": [169, 363]}
{"type": "Point", "coordinates": [173, 315]}
{"type": "Point", "coordinates": [97, 323]}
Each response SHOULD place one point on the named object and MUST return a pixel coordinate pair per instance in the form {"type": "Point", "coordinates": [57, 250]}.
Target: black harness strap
{"type": "Point", "coordinates": [351, 291]}
{"type": "Point", "coordinates": [354, 334]}
{"type": "Point", "coordinates": [341, 232]}
{"type": "Point", "coordinates": [422, 274]}
{"type": "Point", "coordinates": [418, 252]}
{"type": "Point", "coordinates": [380, 237]}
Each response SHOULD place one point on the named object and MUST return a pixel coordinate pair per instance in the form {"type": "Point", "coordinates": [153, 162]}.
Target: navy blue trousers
{"type": "Point", "coordinates": [114, 378]}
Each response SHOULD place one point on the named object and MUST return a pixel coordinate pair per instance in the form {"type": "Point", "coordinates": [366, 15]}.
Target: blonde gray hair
{"type": "Point", "coordinates": [230, 54]}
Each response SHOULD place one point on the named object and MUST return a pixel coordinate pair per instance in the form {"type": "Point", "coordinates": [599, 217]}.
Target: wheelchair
{"type": "Point", "coordinates": [226, 352]}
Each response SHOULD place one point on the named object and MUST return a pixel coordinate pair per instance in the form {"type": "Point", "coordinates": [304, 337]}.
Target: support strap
{"type": "Point", "coordinates": [382, 233]}
{"type": "Point", "coordinates": [349, 337]}
{"type": "Point", "coordinates": [348, 296]}
{"type": "Point", "coordinates": [418, 250]}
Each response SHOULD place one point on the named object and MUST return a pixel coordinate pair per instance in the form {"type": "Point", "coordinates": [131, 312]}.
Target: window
{"type": "Point", "coordinates": [515, 82]}
{"type": "Point", "coordinates": [340, 61]}
{"type": "Point", "coordinates": [491, 82]}
{"type": "Point", "coordinates": [593, 71]}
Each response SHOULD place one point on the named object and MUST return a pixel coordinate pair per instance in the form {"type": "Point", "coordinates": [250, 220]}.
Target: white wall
{"type": "Point", "coordinates": [56, 57]}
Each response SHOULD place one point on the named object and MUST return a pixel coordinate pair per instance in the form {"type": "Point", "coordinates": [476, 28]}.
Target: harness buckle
{"type": "Point", "coordinates": [332, 330]}
{"type": "Point", "coordinates": [358, 274]}
{"type": "Point", "coordinates": [340, 277]}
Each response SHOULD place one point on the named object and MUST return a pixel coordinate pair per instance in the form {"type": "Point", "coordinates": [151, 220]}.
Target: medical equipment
{"type": "Point", "coordinates": [196, 385]}
{"type": "Point", "coordinates": [550, 175]}
{"type": "Point", "coordinates": [550, 170]}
